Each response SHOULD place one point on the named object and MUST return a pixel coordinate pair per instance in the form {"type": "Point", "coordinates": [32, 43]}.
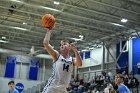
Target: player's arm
{"type": "Point", "coordinates": [77, 59]}
{"type": "Point", "coordinates": [48, 47]}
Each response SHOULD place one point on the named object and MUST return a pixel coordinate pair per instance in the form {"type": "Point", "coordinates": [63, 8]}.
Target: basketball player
{"type": "Point", "coordinates": [62, 65]}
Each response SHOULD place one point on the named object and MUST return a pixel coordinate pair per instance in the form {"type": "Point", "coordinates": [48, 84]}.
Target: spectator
{"type": "Point", "coordinates": [114, 83]}
{"type": "Point", "coordinates": [12, 88]}
{"type": "Point", "coordinates": [95, 90]}
{"type": "Point", "coordinates": [121, 87]}
{"type": "Point", "coordinates": [132, 82]}
{"type": "Point", "coordinates": [138, 65]}
{"type": "Point", "coordinates": [108, 88]}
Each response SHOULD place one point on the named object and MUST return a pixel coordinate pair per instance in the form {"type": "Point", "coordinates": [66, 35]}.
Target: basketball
{"type": "Point", "coordinates": [48, 21]}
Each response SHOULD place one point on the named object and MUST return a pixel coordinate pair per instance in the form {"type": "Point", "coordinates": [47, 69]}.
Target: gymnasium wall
{"type": "Point", "coordinates": [22, 67]}
{"type": "Point", "coordinates": [22, 70]}
{"type": "Point", "coordinates": [94, 65]}
{"type": "Point", "coordinates": [96, 56]}
{"type": "Point", "coordinates": [135, 54]}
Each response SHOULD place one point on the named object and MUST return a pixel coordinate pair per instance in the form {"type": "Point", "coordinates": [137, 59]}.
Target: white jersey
{"type": "Point", "coordinates": [61, 74]}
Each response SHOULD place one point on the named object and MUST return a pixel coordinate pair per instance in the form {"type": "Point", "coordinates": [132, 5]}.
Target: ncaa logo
{"type": "Point", "coordinates": [19, 87]}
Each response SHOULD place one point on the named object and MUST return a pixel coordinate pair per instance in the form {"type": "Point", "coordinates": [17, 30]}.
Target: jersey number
{"type": "Point", "coordinates": [65, 67]}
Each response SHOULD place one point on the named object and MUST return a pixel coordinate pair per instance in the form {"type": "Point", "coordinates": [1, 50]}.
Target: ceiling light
{"type": "Point", "coordinates": [81, 37]}
{"type": "Point", "coordinates": [20, 28]}
{"type": "Point", "coordinates": [3, 37]}
{"type": "Point", "coordinates": [124, 20]}
{"type": "Point", "coordinates": [117, 24]}
{"type": "Point", "coordinates": [76, 39]}
{"type": "Point", "coordinates": [84, 50]}
{"type": "Point", "coordinates": [50, 9]}
{"type": "Point", "coordinates": [2, 41]}
{"type": "Point", "coordinates": [56, 3]}
{"type": "Point", "coordinates": [91, 48]}
{"type": "Point", "coordinates": [44, 56]}
{"type": "Point", "coordinates": [24, 23]}
{"type": "Point", "coordinates": [16, 0]}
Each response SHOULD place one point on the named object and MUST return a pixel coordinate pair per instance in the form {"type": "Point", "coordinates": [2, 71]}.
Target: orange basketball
{"type": "Point", "coordinates": [48, 21]}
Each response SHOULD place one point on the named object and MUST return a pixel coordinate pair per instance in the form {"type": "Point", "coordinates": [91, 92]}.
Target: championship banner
{"type": "Point", "coordinates": [10, 66]}
{"type": "Point", "coordinates": [33, 69]}
{"type": "Point", "coordinates": [87, 54]}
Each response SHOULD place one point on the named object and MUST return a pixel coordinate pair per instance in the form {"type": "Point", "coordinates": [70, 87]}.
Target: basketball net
{"type": "Point", "coordinates": [32, 50]}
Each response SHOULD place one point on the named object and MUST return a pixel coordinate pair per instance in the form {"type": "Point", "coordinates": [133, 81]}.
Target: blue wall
{"type": "Point", "coordinates": [135, 54]}
{"type": "Point", "coordinates": [123, 60]}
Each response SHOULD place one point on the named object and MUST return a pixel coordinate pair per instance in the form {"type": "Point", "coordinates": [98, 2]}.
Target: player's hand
{"type": "Point", "coordinates": [73, 47]}
{"type": "Point", "coordinates": [48, 29]}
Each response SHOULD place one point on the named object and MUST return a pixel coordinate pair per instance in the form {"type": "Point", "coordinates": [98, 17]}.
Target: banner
{"type": "Point", "coordinates": [33, 69]}
{"type": "Point", "coordinates": [10, 66]}
{"type": "Point", "coordinates": [87, 54]}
